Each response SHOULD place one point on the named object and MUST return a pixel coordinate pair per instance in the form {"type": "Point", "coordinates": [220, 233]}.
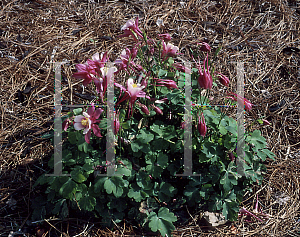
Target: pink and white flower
{"type": "Point", "coordinates": [125, 61]}
{"type": "Point", "coordinates": [131, 27]}
{"type": "Point", "coordinates": [107, 74]}
{"type": "Point", "coordinates": [98, 60]}
{"type": "Point", "coordinates": [87, 122]}
{"type": "Point", "coordinates": [122, 62]}
{"type": "Point", "coordinates": [169, 50]}
{"type": "Point", "coordinates": [95, 69]}
{"type": "Point", "coordinates": [131, 93]}
{"type": "Point", "coordinates": [86, 72]}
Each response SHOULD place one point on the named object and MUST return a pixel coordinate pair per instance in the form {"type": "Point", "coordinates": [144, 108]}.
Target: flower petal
{"type": "Point", "coordinates": [78, 118]}
{"type": "Point", "coordinates": [81, 67]}
{"type": "Point", "coordinates": [80, 75]}
{"type": "Point", "coordinates": [110, 72]}
{"type": "Point", "coordinates": [90, 111]}
{"type": "Point", "coordinates": [96, 130]}
{"type": "Point", "coordinates": [129, 24]}
{"type": "Point", "coordinates": [66, 124]}
{"type": "Point", "coordinates": [120, 86]}
{"type": "Point", "coordinates": [97, 113]}
{"type": "Point", "coordinates": [86, 115]}
{"type": "Point", "coordinates": [85, 131]}
{"type": "Point", "coordinates": [87, 81]}
{"type": "Point", "coordinates": [96, 57]}
{"type": "Point", "coordinates": [87, 137]}
{"type": "Point", "coordinates": [78, 126]}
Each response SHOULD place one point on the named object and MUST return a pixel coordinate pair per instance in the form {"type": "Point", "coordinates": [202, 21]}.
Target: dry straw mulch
{"type": "Point", "coordinates": [264, 35]}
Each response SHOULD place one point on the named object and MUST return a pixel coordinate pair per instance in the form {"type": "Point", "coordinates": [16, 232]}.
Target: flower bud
{"type": "Point", "coordinates": [167, 83]}
{"type": "Point", "coordinates": [144, 83]}
{"type": "Point", "coordinates": [201, 125]}
{"type": "Point", "coordinates": [223, 79]}
{"type": "Point", "coordinates": [231, 156]}
{"type": "Point", "coordinates": [242, 101]}
{"type": "Point", "coordinates": [163, 100]}
{"type": "Point", "coordinates": [139, 67]}
{"type": "Point", "coordinates": [181, 68]}
{"type": "Point", "coordinates": [205, 80]}
{"type": "Point", "coordinates": [151, 51]}
{"type": "Point", "coordinates": [166, 37]}
{"type": "Point", "coordinates": [157, 110]}
{"type": "Point", "coordinates": [144, 108]}
{"type": "Point", "coordinates": [266, 122]}
{"type": "Point", "coordinates": [66, 124]}
{"type": "Point", "coordinates": [204, 47]}
{"type": "Point", "coordinates": [182, 124]}
{"type": "Point", "coordinates": [116, 124]}
{"type": "Point", "coordinates": [134, 51]}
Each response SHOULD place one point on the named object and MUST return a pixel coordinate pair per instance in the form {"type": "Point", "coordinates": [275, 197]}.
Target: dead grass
{"type": "Point", "coordinates": [34, 34]}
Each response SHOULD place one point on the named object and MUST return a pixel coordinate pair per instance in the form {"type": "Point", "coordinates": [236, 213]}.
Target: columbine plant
{"type": "Point", "coordinates": [149, 137]}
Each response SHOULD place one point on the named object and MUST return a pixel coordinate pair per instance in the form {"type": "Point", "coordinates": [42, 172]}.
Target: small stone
{"type": "Point", "coordinates": [214, 219]}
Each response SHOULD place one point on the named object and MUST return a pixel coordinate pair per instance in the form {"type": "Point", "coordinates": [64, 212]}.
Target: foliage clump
{"type": "Point", "coordinates": [149, 181]}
